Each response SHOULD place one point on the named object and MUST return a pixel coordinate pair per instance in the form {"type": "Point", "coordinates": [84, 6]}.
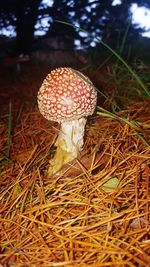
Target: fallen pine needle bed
{"type": "Point", "coordinates": [94, 213]}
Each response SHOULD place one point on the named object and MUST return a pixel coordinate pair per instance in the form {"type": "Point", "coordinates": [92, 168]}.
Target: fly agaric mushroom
{"type": "Point", "coordinates": [67, 97]}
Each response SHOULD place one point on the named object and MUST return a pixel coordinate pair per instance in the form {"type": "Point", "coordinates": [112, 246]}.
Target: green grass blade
{"type": "Point", "coordinates": [114, 53]}
{"type": "Point", "coordinates": [9, 130]}
{"type": "Point", "coordinates": [134, 125]}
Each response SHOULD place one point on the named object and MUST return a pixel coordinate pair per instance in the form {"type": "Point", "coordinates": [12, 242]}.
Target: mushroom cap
{"type": "Point", "coordinates": [66, 94]}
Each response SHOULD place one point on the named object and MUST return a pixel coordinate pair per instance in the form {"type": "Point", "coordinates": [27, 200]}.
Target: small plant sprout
{"type": "Point", "coordinates": [67, 97]}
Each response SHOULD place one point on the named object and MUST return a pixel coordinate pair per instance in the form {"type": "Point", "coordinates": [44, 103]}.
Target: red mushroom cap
{"type": "Point", "coordinates": [66, 94]}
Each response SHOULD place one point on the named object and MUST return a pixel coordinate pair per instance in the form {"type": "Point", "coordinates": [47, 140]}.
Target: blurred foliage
{"type": "Point", "coordinates": [101, 18]}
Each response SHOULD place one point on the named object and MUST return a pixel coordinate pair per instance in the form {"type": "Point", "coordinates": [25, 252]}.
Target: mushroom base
{"type": "Point", "coordinates": [69, 143]}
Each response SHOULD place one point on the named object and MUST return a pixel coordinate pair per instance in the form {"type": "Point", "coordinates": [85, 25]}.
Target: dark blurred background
{"type": "Point", "coordinates": [30, 30]}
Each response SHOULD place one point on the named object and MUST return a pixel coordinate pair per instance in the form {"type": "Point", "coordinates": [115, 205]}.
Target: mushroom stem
{"type": "Point", "coordinates": [69, 143]}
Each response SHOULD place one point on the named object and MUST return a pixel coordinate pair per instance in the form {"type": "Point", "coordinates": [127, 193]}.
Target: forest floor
{"type": "Point", "coordinates": [96, 211]}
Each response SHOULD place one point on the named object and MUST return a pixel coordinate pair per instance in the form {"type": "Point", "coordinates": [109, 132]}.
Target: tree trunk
{"type": "Point", "coordinates": [26, 15]}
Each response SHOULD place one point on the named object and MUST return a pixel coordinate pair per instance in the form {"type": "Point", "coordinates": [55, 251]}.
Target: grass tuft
{"type": "Point", "coordinates": [133, 73]}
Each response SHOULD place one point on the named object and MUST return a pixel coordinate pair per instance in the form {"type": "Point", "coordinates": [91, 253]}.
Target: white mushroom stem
{"type": "Point", "coordinates": [69, 143]}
